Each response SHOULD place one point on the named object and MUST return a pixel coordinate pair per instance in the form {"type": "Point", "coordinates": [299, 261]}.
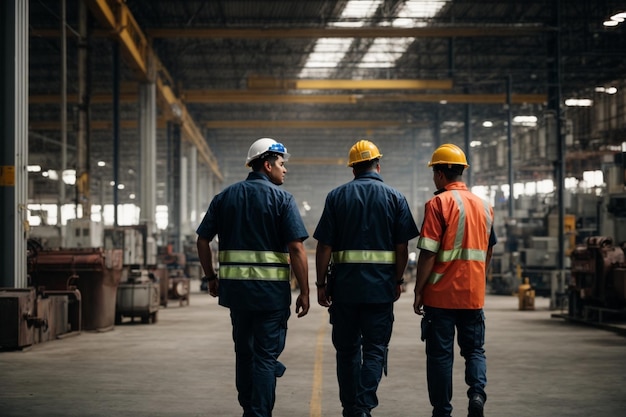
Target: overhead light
{"type": "Point", "coordinates": [487, 123]}
{"type": "Point", "coordinates": [34, 168]}
{"type": "Point", "coordinates": [608, 90]}
{"type": "Point", "coordinates": [619, 17]}
{"type": "Point", "coordinates": [101, 163]}
{"type": "Point", "coordinates": [69, 176]}
{"type": "Point", "coordinates": [525, 120]}
{"type": "Point", "coordinates": [475, 143]}
{"type": "Point", "coordinates": [579, 102]}
{"type": "Point", "coordinates": [610, 23]}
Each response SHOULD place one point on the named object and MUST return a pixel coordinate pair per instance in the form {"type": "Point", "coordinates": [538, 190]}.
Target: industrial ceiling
{"type": "Point", "coordinates": [244, 69]}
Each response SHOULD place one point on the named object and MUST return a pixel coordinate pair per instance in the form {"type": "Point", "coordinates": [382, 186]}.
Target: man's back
{"type": "Point", "coordinates": [363, 220]}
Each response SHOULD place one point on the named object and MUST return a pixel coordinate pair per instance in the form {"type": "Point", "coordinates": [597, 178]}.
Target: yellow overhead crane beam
{"type": "Point", "coordinates": [310, 124]}
{"type": "Point", "coordinates": [242, 96]}
{"type": "Point", "coordinates": [115, 16]}
{"type": "Point", "coordinates": [265, 83]}
{"type": "Point", "coordinates": [248, 124]}
{"type": "Point", "coordinates": [450, 31]}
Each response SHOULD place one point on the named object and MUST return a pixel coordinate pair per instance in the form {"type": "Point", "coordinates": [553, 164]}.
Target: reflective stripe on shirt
{"type": "Point", "coordinates": [364, 256]}
{"type": "Point", "coordinates": [254, 265]}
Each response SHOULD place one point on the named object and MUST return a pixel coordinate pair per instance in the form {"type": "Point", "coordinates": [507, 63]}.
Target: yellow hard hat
{"type": "Point", "coordinates": [363, 151]}
{"type": "Point", "coordinates": [448, 154]}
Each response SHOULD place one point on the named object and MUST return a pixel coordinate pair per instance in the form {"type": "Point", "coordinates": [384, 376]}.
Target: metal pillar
{"type": "Point", "coordinates": [83, 196]}
{"type": "Point", "coordinates": [148, 151]}
{"type": "Point", "coordinates": [14, 142]}
{"type": "Point", "coordinates": [554, 106]}
{"type": "Point", "coordinates": [63, 118]}
{"type": "Point", "coordinates": [116, 128]}
{"type": "Point", "coordinates": [468, 140]}
{"type": "Point", "coordinates": [509, 144]}
{"type": "Point", "coordinates": [193, 188]}
{"type": "Point", "coordinates": [173, 184]}
{"type": "Point", "coordinates": [183, 209]}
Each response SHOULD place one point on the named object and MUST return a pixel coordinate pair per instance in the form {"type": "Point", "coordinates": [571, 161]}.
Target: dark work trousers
{"type": "Point", "coordinates": [438, 328]}
{"type": "Point", "coordinates": [259, 338]}
{"type": "Point", "coordinates": [361, 334]}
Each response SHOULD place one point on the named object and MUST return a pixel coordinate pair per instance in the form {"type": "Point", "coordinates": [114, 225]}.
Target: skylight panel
{"type": "Point", "coordinates": [328, 52]}
{"type": "Point", "coordinates": [384, 52]}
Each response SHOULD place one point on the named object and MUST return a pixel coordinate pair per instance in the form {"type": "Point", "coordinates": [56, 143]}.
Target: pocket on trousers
{"type": "Point", "coordinates": [425, 327]}
{"type": "Point", "coordinates": [479, 329]}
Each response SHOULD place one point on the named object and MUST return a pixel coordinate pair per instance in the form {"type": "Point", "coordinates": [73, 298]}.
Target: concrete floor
{"type": "Point", "coordinates": [184, 366]}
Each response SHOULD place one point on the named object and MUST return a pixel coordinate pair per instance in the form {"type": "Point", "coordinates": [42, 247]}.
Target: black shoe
{"type": "Point", "coordinates": [476, 405]}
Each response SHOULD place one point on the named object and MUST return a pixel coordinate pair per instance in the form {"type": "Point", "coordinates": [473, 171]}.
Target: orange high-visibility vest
{"type": "Point", "coordinates": [457, 225]}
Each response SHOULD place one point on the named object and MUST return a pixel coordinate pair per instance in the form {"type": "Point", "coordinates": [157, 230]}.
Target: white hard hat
{"type": "Point", "coordinates": [264, 145]}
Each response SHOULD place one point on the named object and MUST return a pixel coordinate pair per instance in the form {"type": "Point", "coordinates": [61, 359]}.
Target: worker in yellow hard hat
{"type": "Point", "coordinates": [455, 246]}
{"type": "Point", "coordinates": [365, 228]}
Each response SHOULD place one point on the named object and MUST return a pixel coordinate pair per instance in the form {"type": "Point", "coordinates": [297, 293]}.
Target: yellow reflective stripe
{"type": "Point", "coordinates": [489, 219]}
{"type": "Point", "coordinates": [364, 256]}
{"type": "Point", "coordinates": [460, 230]}
{"type": "Point", "coordinates": [253, 257]}
{"type": "Point", "coordinates": [256, 273]}
{"type": "Point", "coordinates": [434, 278]}
{"type": "Point", "coordinates": [463, 254]}
{"type": "Point", "coordinates": [428, 244]}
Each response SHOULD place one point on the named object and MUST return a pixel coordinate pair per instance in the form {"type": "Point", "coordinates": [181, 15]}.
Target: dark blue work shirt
{"type": "Point", "coordinates": [365, 218]}
{"type": "Point", "coordinates": [254, 220]}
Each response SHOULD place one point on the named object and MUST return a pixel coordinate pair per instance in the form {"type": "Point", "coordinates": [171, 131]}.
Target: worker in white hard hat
{"type": "Point", "coordinates": [261, 237]}
{"type": "Point", "coordinates": [364, 229]}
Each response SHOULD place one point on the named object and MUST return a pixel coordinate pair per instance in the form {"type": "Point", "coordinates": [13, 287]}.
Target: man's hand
{"type": "Point", "coordinates": [214, 287]}
{"type": "Point", "coordinates": [322, 297]}
{"type": "Point", "coordinates": [302, 305]}
{"type": "Point", "coordinates": [418, 307]}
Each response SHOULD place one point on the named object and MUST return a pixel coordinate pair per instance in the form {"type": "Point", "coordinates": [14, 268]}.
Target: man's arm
{"type": "Point", "coordinates": [300, 267]}
{"type": "Point", "coordinates": [488, 259]}
{"type": "Point", "coordinates": [205, 255]}
{"type": "Point", "coordinates": [322, 259]}
{"type": "Point", "coordinates": [402, 257]}
{"type": "Point", "coordinates": [425, 264]}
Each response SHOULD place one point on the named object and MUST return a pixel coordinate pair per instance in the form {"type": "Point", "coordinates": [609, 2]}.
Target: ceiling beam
{"type": "Point", "coordinates": [267, 83]}
{"type": "Point", "coordinates": [44, 125]}
{"type": "Point", "coordinates": [318, 161]}
{"type": "Point", "coordinates": [119, 22]}
{"type": "Point", "coordinates": [311, 124]}
{"type": "Point", "coordinates": [346, 32]}
{"type": "Point", "coordinates": [242, 96]}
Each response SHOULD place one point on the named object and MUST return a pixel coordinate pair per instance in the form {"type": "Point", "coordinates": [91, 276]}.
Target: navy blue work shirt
{"type": "Point", "coordinates": [365, 216]}
{"type": "Point", "coordinates": [254, 217]}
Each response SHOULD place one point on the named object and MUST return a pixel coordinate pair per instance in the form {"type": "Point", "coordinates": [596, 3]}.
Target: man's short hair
{"type": "Point", "coordinates": [258, 163]}
{"type": "Point", "coordinates": [365, 165]}
{"type": "Point", "coordinates": [450, 171]}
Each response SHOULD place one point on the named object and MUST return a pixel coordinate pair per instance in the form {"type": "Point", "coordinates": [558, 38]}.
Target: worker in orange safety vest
{"type": "Point", "coordinates": [455, 248]}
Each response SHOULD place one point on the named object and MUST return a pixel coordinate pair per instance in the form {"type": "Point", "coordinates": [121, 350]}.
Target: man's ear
{"type": "Point", "coordinates": [267, 165]}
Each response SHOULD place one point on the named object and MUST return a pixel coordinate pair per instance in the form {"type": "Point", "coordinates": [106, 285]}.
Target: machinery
{"type": "Point", "coordinates": [88, 277]}
{"type": "Point", "coordinates": [597, 290]}
{"type": "Point", "coordinates": [137, 296]}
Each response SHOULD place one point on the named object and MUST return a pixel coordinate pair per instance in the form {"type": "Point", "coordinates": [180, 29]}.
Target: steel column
{"type": "Point", "coordinates": [14, 142]}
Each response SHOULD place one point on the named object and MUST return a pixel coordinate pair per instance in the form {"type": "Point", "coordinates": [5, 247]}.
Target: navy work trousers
{"type": "Point", "coordinates": [259, 338]}
{"type": "Point", "coordinates": [361, 334]}
{"type": "Point", "coordinates": [438, 328]}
